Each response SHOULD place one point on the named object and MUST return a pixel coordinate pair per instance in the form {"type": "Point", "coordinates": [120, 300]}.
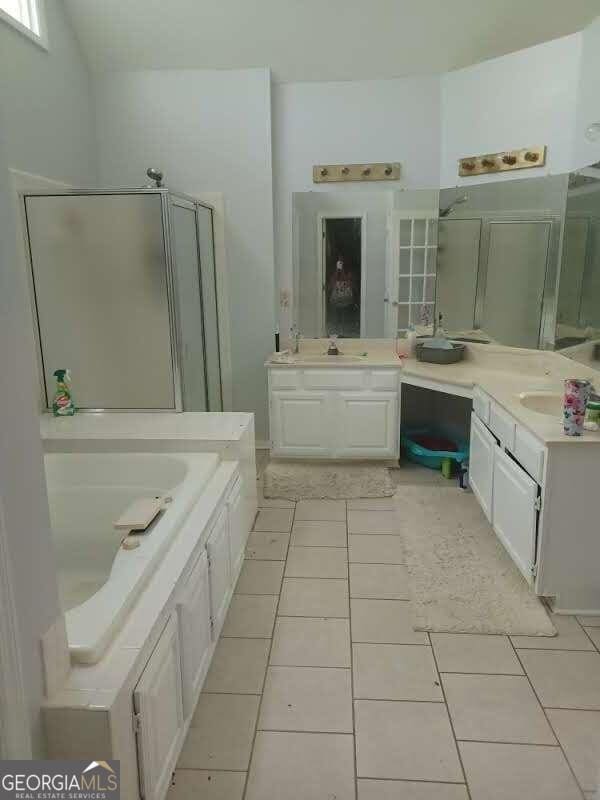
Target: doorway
{"type": "Point", "coordinates": [341, 273]}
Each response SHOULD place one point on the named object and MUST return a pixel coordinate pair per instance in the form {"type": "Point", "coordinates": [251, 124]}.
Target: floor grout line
{"type": "Point", "coordinates": [555, 746]}
{"type": "Point", "coordinates": [251, 756]}
{"type": "Point", "coordinates": [537, 697]}
{"type": "Point", "coordinates": [450, 720]}
{"type": "Point", "coordinates": [354, 740]}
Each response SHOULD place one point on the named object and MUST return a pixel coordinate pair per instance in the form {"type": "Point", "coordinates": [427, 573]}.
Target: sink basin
{"type": "Point", "coordinates": [548, 403]}
{"type": "Point", "coordinates": [325, 359]}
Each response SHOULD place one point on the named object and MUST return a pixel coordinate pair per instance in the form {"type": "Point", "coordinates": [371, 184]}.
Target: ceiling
{"type": "Point", "coordinates": [318, 40]}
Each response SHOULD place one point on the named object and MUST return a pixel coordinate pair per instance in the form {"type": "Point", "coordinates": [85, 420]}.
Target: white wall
{"type": "Point", "coordinates": [208, 131]}
{"type": "Point", "coordinates": [354, 122]}
{"type": "Point", "coordinates": [23, 502]}
{"type": "Point", "coordinates": [519, 100]}
{"type": "Point", "coordinates": [46, 97]}
{"type": "Point", "coordinates": [47, 128]}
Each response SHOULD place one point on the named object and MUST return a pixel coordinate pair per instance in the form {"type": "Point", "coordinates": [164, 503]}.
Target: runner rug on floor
{"type": "Point", "coordinates": [461, 578]}
{"type": "Point", "coordinates": [307, 480]}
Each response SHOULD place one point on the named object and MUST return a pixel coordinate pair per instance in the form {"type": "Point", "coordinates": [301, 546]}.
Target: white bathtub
{"type": "Point", "coordinates": [98, 580]}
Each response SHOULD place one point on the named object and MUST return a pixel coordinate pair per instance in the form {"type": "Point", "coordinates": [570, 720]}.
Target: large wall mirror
{"type": "Point", "coordinates": [519, 262]}
{"type": "Point", "coordinates": [364, 261]}
{"type": "Point", "coordinates": [498, 260]}
{"type": "Point", "coordinates": [511, 262]}
{"type": "Point", "coordinates": [578, 306]}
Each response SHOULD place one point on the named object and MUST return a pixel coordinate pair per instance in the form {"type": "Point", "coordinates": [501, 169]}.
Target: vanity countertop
{"type": "Point", "coordinates": [502, 372]}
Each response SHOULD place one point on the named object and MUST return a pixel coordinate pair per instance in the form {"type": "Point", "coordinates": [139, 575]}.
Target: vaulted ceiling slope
{"type": "Point", "coordinates": [318, 40]}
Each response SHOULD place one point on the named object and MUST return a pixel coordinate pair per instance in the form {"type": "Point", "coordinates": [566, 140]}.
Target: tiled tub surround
{"type": "Point", "coordinates": [229, 434]}
{"type": "Point", "coordinates": [136, 703]}
{"type": "Point", "coordinates": [320, 687]}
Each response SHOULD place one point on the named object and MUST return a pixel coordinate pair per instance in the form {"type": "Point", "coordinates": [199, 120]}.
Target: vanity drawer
{"type": "Point", "coordinates": [502, 425]}
{"type": "Point", "coordinates": [530, 453]}
{"type": "Point", "coordinates": [481, 405]}
{"type": "Point", "coordinates": [384, 380]}
{"type": "Point", "coordinates": [285, 379]}
{"type": "Point", "coordinates": [334, 378]}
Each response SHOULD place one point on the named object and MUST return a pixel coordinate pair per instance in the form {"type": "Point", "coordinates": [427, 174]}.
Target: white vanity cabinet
{"type": "Point", "coordinates": [195, 632]}
{"type": "Point", "coordinates": [481, 464]}
{"type": "Point", "coordinates": [340, 412]}
{"type": "Point", "coordinates": [157, 700]}
{"type": "Point", "coordinates": [509, 496]}
{"type": "Point", "coordinates": [515, 511]}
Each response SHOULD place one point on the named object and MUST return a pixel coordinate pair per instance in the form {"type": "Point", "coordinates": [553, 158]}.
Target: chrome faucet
{"type": "Point", "coordinates": [333, 349]}
{"type": "Point", "coordinates": [295, 339]}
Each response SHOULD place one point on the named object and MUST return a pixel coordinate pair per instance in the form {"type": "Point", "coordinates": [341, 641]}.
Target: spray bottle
{"type": "Point", "coordinates": [63, 405]}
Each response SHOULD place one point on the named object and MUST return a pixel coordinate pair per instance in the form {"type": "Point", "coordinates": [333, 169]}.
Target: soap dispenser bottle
{"type": "Point", "coordinates": [63, 405]}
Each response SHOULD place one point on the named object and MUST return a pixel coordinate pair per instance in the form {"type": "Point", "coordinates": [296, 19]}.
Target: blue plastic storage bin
{"type": "Point", "coordinates": [431, 458]}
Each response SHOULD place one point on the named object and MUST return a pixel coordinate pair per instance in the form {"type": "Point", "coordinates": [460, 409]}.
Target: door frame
{"type": "Point", "coordinates": [322, 217]}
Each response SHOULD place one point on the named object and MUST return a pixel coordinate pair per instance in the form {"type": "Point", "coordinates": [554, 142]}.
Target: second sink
{"type": "Point", "coordinates": [548, 403]}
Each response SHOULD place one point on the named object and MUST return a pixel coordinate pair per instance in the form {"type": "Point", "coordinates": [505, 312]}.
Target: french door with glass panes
{"type": "Point", "coordinates": [410, 272]}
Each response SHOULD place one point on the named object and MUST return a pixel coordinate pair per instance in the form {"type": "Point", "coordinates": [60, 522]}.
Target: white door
{"type": "Point", "coordinates": [194, 627]}
{"type": "Point", "coordinates": [481, 464]}
{"type": "Point", "coordinates": [410, 271]}
{"type": "Point", "coordinates": [159, 714]}
{"type": "Point", "coordinates": [219, 571]}
{"type": "Point", "coordinates": [514, 511]}
{"type": "Point", "coordinates": [300, 424]}
{"type": "Point", "coordinates": [366, 425]}
{"type": "Point", "coordinates": [237, 528]}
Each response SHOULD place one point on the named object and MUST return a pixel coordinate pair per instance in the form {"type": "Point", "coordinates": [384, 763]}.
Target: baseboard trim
{"type": "Point", "coordinates": [262, 445]}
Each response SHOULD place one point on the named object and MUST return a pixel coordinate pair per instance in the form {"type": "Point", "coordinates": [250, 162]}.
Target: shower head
{"type": "Point", "coordinates": [444, 212]}
{"type": "Point", "coordinates": [155, 175]}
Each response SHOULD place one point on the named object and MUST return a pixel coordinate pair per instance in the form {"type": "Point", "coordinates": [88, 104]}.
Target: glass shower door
{"type": "Point", "coordinates": [100, 283]}
{"type": "Point", "coordinates": [210, 307]}
{"type": "Point", "coordinates": [189, 311]}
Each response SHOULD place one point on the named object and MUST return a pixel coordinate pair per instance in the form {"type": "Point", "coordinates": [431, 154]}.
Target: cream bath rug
{"type": "Point", "coordinates": [307, 480]}
{"type": "Point", "coordinates": [461, 578]}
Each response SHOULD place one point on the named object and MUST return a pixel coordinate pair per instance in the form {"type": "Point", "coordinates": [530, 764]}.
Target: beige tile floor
{"type": "Point", "coordinates": [321, 689]}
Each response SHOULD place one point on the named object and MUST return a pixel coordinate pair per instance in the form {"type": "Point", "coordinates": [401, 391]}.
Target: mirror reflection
{"type": "Point", "coordinates": [578, 306]}
{"type": "Point", "coordinates": [364, 261]}
{"type": "Point", "coordinates": [511, 262]}
{"type": "Point", "coordinates": [498, 258]}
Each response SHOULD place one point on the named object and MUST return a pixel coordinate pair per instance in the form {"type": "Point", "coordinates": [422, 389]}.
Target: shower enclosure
{"type": "Point", "coordinates": [125, 296]}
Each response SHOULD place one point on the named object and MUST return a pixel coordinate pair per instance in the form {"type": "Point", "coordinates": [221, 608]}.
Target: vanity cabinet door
{"type": "Point", "coordinates": [300, 424]}
{"type": "Point", "coordinates": [219, 572]}
{"type": "Point", "coordinates": [481, 464]}
{"type": "Point", "coordinates": [514, 512]}
{"type": "Point", "coordinates": [367, 425]}
{"type": "Point", "coordinates": [194, 626]}
{"type": "Point", "coordinates": [159, 719]}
